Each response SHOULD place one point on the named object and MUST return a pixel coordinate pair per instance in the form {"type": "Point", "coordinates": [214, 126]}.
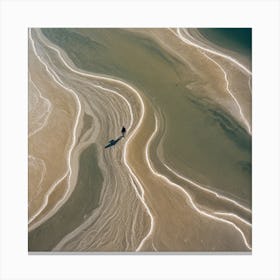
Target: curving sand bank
{"type": "Point", "coordinates": [149, 192]}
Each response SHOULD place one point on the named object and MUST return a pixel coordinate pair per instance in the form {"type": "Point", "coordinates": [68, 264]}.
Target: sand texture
{"type": "Point", "coordinates": [180, 178]}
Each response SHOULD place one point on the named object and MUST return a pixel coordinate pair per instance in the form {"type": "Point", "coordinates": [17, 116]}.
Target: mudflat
{"type": "Point", "coordinates": [180, 179]}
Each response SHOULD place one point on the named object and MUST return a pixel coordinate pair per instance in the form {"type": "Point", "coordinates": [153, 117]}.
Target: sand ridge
{"type": "Point", "coordinates": [135, 178]}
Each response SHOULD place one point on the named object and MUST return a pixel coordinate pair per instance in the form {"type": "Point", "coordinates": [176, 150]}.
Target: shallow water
{"type": "Point", "coordinates": [235, 39]}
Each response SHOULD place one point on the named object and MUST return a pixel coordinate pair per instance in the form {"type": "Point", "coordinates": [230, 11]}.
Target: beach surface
{"type": "Point", "coordinates": [178, 180]}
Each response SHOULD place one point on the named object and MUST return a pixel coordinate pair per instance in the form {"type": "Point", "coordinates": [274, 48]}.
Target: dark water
{"type": "Point", "coordinates": [235, 39]}
{"type": "Point", "coordinates": [202, 141]}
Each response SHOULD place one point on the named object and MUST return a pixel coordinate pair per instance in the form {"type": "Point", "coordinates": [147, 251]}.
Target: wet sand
{"type": "Point", "coordinates": [52, 114]}
{"type": "Point", "coordinates": [180, 180]}
{"type": "Point", "coordinates": [83, 200]}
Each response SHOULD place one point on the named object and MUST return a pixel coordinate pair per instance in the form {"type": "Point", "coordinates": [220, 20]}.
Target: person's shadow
{"type": "Point", "coordinates": [113, 142]}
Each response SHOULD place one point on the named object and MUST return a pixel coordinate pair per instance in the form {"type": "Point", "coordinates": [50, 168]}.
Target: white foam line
{"type": "Point", "coordinates": [186, 193]}
{"type": "Point", "coordinates": [48, 112]}
{"type": "Point", "coordinates": [129, 138]}
{"type": "Point", "coordinates": [142, 198]}
{"type": "Point", "coordinates": [69, 171]}
{"type": "Point", "coordinates": [184, 39]}
{"type": "Point", "coordinates": [210, 51]}
{"type": "Point", "coordinates": [233, 215]}
{"type": "Point", "coordinates": [231, 94]}
{"type": "Point", "coordinates": [206, 189]}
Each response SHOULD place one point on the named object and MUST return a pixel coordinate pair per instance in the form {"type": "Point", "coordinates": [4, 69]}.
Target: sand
{"type": "Point", "coordinates": [51, 122]}
{"type": "Point", "coordinates": [169, 185]}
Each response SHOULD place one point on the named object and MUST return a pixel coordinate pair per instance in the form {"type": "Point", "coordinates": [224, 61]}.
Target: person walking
{"type": "Point", "coordinates": [123, 131]}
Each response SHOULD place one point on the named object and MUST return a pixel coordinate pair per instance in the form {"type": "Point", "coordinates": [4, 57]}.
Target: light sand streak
{"type": "Point", "coordinates": [207, 190]}
{"type": "Point", "coordinates": [249, 84]}
{"type": "Point", "coordinates": [153, 245]}
{"type": "Point", "coordinates": [125, 100]}
{"type": "Point", "coordinates": [185, 192]}
{"type": "Point", "coordinates": [233, 215]}
{"type": "Point", "coordinates": [69, 171]}
{"type": "Point", "coordinates": [48, 112]}
{"type": "Point", "coordinates": [142, 199]}
{"type": "Point", "coordinates": [42, 175]}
